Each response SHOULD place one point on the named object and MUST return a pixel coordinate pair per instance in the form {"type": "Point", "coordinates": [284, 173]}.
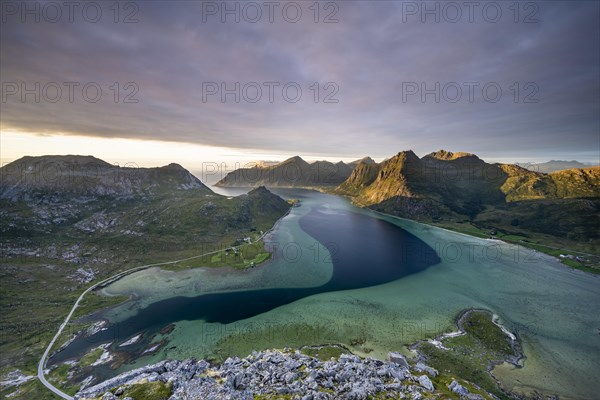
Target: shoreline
{"type": "Point", "coordinates": [589, 270]}
{"type": "Point", "coordinates": [517, 361]}
{"type": "Point", "coordinates": [514, 339]}
{"type": "Point", "coordinates": [459, 320]}
{"type": "Point", "coordinates": [331, 192]}
{"type": "Point", "coordinates": [418, 364]}
{"type": "Point", "coordinates": [536, 251]}
{"type": "Point", "coordinates": [100, 286]}
{"type": "Point", "coordinates": [41, 366]}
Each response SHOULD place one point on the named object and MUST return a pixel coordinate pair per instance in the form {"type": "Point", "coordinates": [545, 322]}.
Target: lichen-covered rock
{"type": "Point", "coordinates": [398, 358]}
{"type": "Point", "coordinates": [425, 382]}
{"type": "Point", "coordinates": [458, 388]}
{"type": "Point", "coordinates": [279, 373]}
{"type": "Point", "coordinates": [420, 367]}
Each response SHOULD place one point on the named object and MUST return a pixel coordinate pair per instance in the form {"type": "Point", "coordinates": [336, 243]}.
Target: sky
{"type": "Point", "coordinates": [195, 82]}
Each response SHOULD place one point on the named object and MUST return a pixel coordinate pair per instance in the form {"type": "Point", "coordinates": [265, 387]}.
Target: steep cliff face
{"type": "Point", "coordinates": [397, 176]}
{"type": "Point", "coordinates": [362, 176]}
{"type": "Point", "coordinates": [410, 186]}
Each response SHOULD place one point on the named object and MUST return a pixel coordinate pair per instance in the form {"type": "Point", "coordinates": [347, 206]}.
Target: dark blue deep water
{"type": "Point", "coordinates": [365, 252]}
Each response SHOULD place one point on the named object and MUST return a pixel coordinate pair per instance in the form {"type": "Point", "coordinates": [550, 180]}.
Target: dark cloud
{"type": "Point", "coordinates": [370, 55]}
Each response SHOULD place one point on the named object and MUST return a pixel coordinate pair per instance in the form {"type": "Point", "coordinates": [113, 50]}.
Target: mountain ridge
{"type": "Point", "coordinates": [292, 172]}
{"type": "Point", "coordinates": [407, 175]}
{"type": "Point", "coordinates": [555, 165]}
{"type": "Point", "coordinates": [88, 175]}
{"type": "Point", "coordinates": [454, 187]}
{"type": "Point", "coordinates": [366, 160]}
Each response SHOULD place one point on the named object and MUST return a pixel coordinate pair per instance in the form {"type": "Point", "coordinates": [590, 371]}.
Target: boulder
{"type": "Point", "coordinates": [290, 377]}
{"type": "Point", "coordinates": [473, 396]}
{"type": "Point", "coordinates": [425, 382]}
{"type": "Point", "coordinates": [357, 393]}
{"type": "Point", "coordinates": [420, 367]}
{"type": "Point", "coordinates": [458, 388]}
{"type": "Point", "coordinates": [398, 358]}
{"type": "Point", "coordinates": [349, 358]}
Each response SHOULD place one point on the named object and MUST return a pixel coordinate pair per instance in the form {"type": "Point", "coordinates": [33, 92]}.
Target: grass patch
{"type": "Point", "coordinates": [90, 357]}
{"type": "Point", "coordinates": [544, 243]}
{"type": "Point", "coordinates": [94, 302]}
{"type": "Point", "coordinates": [59, 376]}
{"type": "Point", "coordinates": [480, 327]}
{"type": "Point", "coordinates": [388, 396]}
{"type": "Point", "coordinates": [32, 389]}
{"type": "Point", "coordinates": [274, 396]}
{"type": "Point", "coordinates": [464, 227]}
{"type": "Point", "coordinates": [148, 391]}
{"type": "Point", "coordinates": [239, 256]}
{"type": "Point", "coordinates": [324, 353]}
{"type": "Point", "coordinates": [470, 356]}
{"type": "Point", "coordinates": [442, 381]}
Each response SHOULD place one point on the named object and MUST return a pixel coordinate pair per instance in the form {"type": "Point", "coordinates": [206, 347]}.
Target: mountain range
{"type": "Point", "coordinates": [556, 165]}
{"type": "Point", "coordinates": [293, 172]}
{"type": "Point", "coordinates": [63, 192]}
{"type": "Point", "coordinates": [66, 221]}
{"type": "Point", "coordinates": [462, 182]}
{"type": "Point", "coordinates": [445, 187]}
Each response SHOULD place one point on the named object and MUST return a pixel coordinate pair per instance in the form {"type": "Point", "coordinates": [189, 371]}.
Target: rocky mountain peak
{"type": "Point", "coordinates": [294, 160]}
{"type": "Point", "coordinates": [261, 190]}
{"type": "Point", "coordinates": [174, 166]}
{"type": "Point", "coordinates": [366, 160]}
{"type": "Point", "coordinates": [448, 155]}
{"type": "Point", "coordinates": [406, 154]}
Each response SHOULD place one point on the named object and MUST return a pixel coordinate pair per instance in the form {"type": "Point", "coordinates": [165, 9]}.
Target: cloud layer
{"type": "Point", "coordinates": [373, 57]}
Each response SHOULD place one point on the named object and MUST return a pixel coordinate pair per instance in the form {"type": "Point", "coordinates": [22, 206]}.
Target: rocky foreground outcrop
{"type": "Point", "coordinates": [287, 373]}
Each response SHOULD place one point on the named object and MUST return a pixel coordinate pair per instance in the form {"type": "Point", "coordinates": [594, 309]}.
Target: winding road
{"type": "Point", "coordinates": [42, 363]}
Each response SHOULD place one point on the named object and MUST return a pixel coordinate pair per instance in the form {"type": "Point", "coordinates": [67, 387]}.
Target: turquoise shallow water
{"type": "Point", "coordinates": [553, 308]}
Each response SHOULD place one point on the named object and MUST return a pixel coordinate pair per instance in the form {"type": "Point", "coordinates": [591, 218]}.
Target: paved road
{"type": "Point", "coordinates": [42, 363]}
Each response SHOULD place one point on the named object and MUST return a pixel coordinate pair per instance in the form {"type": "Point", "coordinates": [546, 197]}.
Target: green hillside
{"type": "Point", "coordinates": [61, 233]}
